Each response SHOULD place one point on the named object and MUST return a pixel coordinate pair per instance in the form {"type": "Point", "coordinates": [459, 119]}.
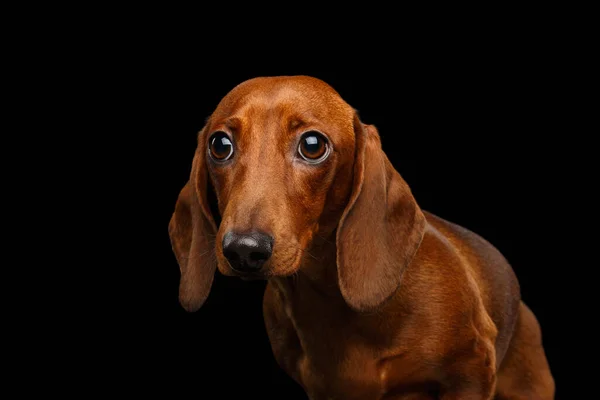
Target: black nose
{"type": "Point", "coordinates": [247, 252]}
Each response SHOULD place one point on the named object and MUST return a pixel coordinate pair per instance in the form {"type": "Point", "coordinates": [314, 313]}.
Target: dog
{"type": "Point", "coordinates": [368, 295]}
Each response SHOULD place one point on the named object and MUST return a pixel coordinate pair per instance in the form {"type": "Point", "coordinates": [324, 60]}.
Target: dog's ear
{"type": "Point", "coordinates": [192, 229]}
{"type": "Point", "coordinates": [380, 229]}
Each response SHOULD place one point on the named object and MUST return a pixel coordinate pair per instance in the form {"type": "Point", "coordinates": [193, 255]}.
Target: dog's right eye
{"type": "Point", "coordinates": [220, 146]}
{"type": "Point", "coordinates": [313, 147]}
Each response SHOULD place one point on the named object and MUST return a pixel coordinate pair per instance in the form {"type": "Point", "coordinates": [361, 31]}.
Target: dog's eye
{"type": "Point", "coordinates": [313, 147]}
{"type": "Point", "coordinates": [220, 146]}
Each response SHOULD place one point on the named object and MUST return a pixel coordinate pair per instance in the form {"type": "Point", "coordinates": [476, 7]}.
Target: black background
{"type": "Point", "coordinates": [473, 131]}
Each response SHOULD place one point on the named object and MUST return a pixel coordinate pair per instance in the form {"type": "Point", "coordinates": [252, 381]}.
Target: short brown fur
{"type": "Point", "coordinates": [369, 297]}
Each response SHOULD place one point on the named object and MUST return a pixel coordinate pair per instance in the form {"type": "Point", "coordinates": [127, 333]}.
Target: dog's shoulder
{"type": "Point", "coordinates": [496, 280]}
{"type": "Point", "coordinates": [476, 250]}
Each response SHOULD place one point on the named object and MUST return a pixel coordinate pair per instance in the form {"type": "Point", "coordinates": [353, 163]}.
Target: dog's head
{"type": "Point", "coordinates": [289, 160]}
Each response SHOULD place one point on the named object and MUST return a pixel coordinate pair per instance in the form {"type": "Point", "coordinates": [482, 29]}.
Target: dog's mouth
{"type": "Point", "coordinates": [251, 276]}
{"type": "Point", "coordinates": [289, 266]}
{"type": "Point", "coordinates": [274, 268]}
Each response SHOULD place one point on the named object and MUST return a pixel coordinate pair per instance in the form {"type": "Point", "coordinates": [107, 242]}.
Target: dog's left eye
{"type": "Point", "coordinates": [220, 146]}
{"type": "Point", "coordinates": [313, 147]}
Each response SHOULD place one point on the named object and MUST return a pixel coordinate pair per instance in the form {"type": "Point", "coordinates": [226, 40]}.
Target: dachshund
{"type": "Point", "coordinates": [368, 295]}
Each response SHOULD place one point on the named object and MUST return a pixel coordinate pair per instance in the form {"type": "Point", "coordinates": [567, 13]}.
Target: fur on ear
{"type": "Point", "coordinates": [380, 229]}
{"type": "Point", "coordinates": [190, 229]}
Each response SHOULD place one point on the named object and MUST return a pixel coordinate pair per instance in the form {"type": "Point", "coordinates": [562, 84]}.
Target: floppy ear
{"type": "Point", "coordinates": [380, 229]}
{"type": "Point", "coordinates": [191, 230]}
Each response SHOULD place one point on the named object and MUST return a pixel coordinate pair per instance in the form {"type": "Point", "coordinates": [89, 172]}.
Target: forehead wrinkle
{"type": "Point", "coordinates": [233, 123]}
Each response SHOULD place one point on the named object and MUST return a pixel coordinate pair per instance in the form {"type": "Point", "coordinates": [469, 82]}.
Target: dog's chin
{"type": "Point", "coordinates": [263, 274]}
{"type": "Point", "coordinates": [269, 271]}
{"type": "Point", "coordinates": [252, 277]}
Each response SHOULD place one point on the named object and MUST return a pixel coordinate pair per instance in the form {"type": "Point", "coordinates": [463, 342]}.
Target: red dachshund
{"type": "Point", "coordinates": [368, 296]}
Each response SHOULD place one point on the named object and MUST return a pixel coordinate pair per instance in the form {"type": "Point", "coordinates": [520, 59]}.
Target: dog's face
{"type": "Point", "coordinates": [290, 161]}
{"type": "Point", "coordinates": [279, 154]}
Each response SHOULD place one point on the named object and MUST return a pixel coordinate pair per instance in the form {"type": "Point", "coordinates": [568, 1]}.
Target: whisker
{"type": "Point", "coordinates": [324, 238]}
{"type": "Point", "coordinates": [205, 253]}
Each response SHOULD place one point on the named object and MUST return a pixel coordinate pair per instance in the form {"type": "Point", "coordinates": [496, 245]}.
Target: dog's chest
{"type": "Point", "coordinates": [342, 355]}
{"type": "Point", "coordinates": [340, 370]}
{"type": "Point", "coordinates": [339, 357]}
{"type": "Point", "coordinates": [345, 362]}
